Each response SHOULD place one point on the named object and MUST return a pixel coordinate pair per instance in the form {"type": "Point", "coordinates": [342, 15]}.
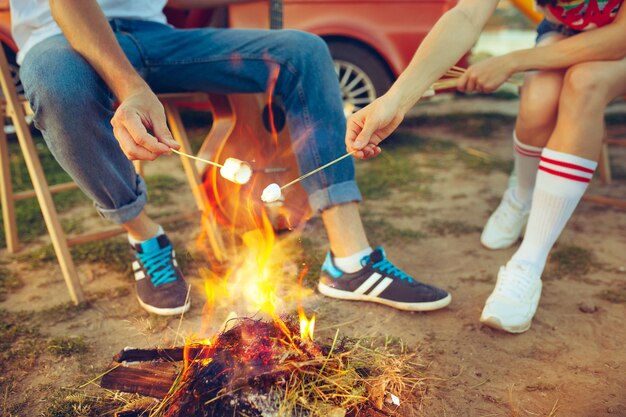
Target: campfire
{"type": "Point", "coordinates": [260, 363]}
{"type": "Point", "coordinates": [262, 369]}
{"type": "Point", "coordinates": [264, 364]}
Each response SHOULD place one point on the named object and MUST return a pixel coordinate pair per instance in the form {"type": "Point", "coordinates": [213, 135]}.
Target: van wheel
{"type": "Point", "coordinates": [363, 76]}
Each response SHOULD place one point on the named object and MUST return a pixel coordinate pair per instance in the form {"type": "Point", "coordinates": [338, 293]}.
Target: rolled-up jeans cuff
{"type": "Point", "coordinates": [127, 212]}
{"type": "Point", "coordinates": [336, 194]}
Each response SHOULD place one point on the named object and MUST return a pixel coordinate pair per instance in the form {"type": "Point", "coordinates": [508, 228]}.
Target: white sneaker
{"type": "Point", "coordinates": [513, 302]}
{"type": "Point", "coordinates": [505, 225]}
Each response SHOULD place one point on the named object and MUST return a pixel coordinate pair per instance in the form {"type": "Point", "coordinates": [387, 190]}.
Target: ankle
{"type": "Point", "coordinates": [352, 263]}
{"type": "Point", "coordinates": [135, 240]}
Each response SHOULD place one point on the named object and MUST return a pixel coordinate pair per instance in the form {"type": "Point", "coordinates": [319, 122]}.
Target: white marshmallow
{"type": "Point", "coordinates": [271, 193]}
{"type": "Point", "coordinates": [236, 171]}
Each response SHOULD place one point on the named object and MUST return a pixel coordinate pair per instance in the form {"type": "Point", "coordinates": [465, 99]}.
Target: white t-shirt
{"type": "Point", "coordinates": [32, 22]}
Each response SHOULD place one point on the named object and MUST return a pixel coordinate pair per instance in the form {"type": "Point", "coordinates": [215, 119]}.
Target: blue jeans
{"type": "Point", "coordinates": [73, 106]}
{"type": "Point", "coordinates": [547, 28]}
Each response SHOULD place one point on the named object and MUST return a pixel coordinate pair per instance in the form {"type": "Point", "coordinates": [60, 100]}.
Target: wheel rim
{"type": "Point", "coordinates": [357, 89]}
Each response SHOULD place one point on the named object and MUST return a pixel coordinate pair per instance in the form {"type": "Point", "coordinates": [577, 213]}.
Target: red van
{"type": "Point", "coordinates": [371, 41]}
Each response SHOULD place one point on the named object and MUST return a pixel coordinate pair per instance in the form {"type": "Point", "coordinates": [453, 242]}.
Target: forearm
{"type": "Point", "coordinates": [451, 37]}
{"type": "Point", "coordinates": [199, 4]}
{"type": "Point", "coordinates": [89, 33]}
{"type": "Point", "coordinates": [604, 44]}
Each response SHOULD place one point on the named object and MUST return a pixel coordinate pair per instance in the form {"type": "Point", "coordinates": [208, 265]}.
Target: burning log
{"type": "Point", "coordinates": [254, 369]}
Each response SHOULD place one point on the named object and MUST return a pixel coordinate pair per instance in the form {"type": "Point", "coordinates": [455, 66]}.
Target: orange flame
{"type": "Point", "coordinates": [257, 279]}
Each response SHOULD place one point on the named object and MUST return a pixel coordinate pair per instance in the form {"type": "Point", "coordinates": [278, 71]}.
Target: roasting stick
{"type": "Point", "coordinates": [300, 178]}
{"type": "Point", "coordinates": [206, 161]}
{"type": "Point", "coordinates": [273, 192]}
{"type": "Point", "coordinates": [233, 169]}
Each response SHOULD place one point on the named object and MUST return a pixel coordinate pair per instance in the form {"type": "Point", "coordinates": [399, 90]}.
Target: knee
{"type": "Point", "coordinates": [538, 105]}
{"type": "Point", "coordinates": [584, 86]}
{"type": "Point", "coordinates": [61, 83]}
{"type": "Point", "coordinates": [304, 47]}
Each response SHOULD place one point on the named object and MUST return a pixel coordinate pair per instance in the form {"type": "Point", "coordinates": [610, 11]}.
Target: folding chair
{"type": "Point", "coordinates": [16, 108]}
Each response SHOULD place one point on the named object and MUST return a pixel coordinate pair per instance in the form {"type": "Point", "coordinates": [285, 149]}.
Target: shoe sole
{"type": "Point", "coordinates": [165, 311]}
{"type": "Point", "coordinates": [496, 324]}
{"type": "Point", "coordinates": [499, 246]}
{"type": "Point", "coordinates": [506, 243]}
{"type": "Point", "coordinates": [347, 295]}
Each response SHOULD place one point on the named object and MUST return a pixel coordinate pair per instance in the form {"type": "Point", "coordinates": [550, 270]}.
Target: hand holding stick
{"type": "Point", "coordinates": [453, 75]}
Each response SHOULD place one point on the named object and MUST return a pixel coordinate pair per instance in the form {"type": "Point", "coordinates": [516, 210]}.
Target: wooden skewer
{"type": "Point", "coordinates": [317, 170]}
{"type": "Point", "coordinates": [206, 161]}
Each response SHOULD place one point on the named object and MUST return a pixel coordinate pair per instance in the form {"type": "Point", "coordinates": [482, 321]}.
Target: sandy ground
{"type": "Point", "coordinates": [572, 362]}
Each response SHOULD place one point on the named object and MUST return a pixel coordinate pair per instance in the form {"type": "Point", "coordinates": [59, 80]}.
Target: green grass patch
{"type": "Point", "coordinates": [30, 221]}
{"type": "Point", "coordinates": [395, 169]}
{"type": "Point", "coordinates": [161, 188]}
{"type": "Point", "coordinates": [113, 252]}
{"type": "Point", "coordinates": [61, 312]}
{"type": "Point", "coordinates": [20, 342]}
{"type": "Point", "coordinates": [382, 231]}
{"type": "Point", "coordinates": [68, 346]}
{"type": "Point", "coordinates": [8, 282]}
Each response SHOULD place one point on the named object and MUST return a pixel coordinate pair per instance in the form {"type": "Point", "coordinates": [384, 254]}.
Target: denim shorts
{"type": "Point", "coordinates": [547, 28]}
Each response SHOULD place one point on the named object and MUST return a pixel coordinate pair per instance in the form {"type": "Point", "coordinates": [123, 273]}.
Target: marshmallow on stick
{"type": "Point", "coordinates": [236, 171]}
{"type": "Point", "coordinates": [233, 170]}
{"type": "Point", "coordinates": [273, 192]}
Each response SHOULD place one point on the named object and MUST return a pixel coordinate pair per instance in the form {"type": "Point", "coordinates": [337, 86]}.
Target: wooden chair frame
{"type": "Point", "coordinates": [16, 108]}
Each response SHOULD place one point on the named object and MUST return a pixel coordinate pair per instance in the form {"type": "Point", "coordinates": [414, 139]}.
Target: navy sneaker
{"type": "Point", "coordinates": [161, 288]}
{"type": "Point", "coordinates": [381, 282]}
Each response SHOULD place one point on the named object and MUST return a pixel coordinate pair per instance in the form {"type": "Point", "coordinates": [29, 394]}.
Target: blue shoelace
{"type": "Point", "coordinates": [389, 269]}
{"type": "Point", "coordinates": [159, 265]}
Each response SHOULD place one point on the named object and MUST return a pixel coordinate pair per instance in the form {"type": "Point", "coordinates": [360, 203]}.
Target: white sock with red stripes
{"type": "Point", "coordinates": [526, 163]}
{"type": "Point", "coordinates": [561, 182]}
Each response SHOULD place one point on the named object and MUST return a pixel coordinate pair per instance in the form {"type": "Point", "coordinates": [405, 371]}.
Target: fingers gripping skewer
{"type": "Point", "coordinates": [273, 192]}
{"type": "Point", "coordinates": [233, 169]}
{"type": "Point", "coordinates": [453, 75]}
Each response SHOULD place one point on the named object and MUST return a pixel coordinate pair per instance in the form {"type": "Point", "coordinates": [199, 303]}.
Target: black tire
{"type": "Point", "coordinates": [351, 59]}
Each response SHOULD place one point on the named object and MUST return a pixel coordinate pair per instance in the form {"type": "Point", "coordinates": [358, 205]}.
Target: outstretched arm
{"type": "Point", "coordinates": [89, 33]}
{"type": "Point", "coordinates": [451, 37]}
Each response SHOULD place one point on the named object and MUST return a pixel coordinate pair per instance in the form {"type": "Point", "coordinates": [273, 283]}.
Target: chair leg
{"type": "Point", "coordinates": [178, 132]}
{"type": "Point", "coordinates": [44, 197]}
{"type": "Point", "coordinates": [6, 194]}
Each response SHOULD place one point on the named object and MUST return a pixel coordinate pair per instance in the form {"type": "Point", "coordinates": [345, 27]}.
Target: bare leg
{"type": "Point", "coordinates": [346, 234]}
{"type": "Point", "coordinates": [141, 227]}
{"type": "Point", "coordinates": [587, 89]}
{"type": "Point", "coordinates": [539, 102]}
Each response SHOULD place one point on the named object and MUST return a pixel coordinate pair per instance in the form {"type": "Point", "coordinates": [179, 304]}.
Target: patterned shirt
{"type": "Point", "coordinates": [584, 14]}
